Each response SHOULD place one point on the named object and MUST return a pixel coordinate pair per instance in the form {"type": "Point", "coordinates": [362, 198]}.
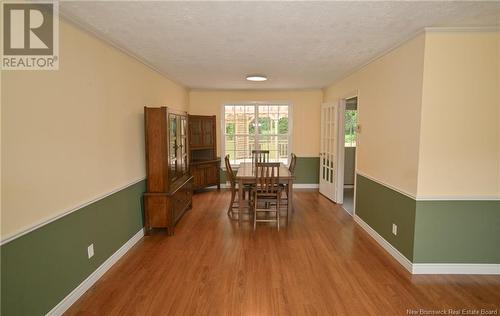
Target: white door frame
{"type": "Point", "coordinates": [341, 150]}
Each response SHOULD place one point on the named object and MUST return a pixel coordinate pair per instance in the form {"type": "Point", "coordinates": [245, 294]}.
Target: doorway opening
{"type": "Point", "coordinates": [350, 123]}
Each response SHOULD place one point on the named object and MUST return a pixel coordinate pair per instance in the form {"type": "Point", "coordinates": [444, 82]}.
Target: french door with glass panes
{"type": "Point", "coordinates": [328, 154]}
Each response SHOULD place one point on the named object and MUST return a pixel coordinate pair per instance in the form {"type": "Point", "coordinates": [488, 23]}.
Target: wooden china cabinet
{"type": "Point", "coordinates": [169, 184]}
{"type": "Point", "coordinates": [204, 163]}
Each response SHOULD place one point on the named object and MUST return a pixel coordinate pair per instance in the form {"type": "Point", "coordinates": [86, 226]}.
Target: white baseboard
{"type": "Point", "coordinates": [456, 268]}
{"type": "Point", "coordinates": [305, 185]}
{"type": "Point", "coordinates": [72, 297]}
{"type": "Point", "coordinates": [348, 186]}
{"type": "Point", "coordinates": [385, 244]}
{"type": "Point", "coordinates": [428, 268]}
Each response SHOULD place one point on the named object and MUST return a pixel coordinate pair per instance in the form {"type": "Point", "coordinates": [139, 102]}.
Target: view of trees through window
{"type": "Point", "coordinates": [350, 122]}
{"type": "Point", "coordinates": [249, 127]}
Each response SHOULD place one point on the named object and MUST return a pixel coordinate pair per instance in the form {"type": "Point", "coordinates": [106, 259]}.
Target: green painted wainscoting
{"type": "Point", "coordinates": [42, 267]}
{"type": "Point", "coordinates": [453, 231]}
{"type": "Point", "coordinates": [306, 171]}
{"type": "Point", "coordinates": [380, 206]}
{"type": "Point", "coordinates": [457, 232]}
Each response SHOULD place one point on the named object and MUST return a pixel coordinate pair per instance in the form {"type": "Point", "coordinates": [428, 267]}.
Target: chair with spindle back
{"type": "Point", "coordinates": [267, 190]}
{"type": "Point", "coordinates": [233, 205]}
{"type": "Point", "coordinates": [293, 163]}
{"type": "Point", "coordinates": [291, 168]}
{"type": "Point", "coordinates": [259, 156]}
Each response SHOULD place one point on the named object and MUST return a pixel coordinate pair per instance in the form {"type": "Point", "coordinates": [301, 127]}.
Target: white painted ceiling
{"type": "Point", "coordinates": [214, 45]}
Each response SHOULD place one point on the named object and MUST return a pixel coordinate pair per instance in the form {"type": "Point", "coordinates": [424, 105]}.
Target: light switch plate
{"type": "Point", "coordinates": [394, 229]}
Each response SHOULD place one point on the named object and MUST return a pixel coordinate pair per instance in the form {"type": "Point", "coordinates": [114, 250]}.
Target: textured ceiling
{"type": "Point", "coordinates": [297, 44]}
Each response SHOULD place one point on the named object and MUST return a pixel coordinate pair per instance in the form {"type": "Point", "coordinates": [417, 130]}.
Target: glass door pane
{"type": "Point", "coordinates": [184, 145]}
{"type": "Point", "coordinates": [173, 145]}
{"type": "Point", "coordinates": [207, 132]}
{"type": "Point", "coordinates": [195, 132]}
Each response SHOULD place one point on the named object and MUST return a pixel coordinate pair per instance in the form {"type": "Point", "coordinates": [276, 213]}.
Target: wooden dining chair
{"type": "Point", "coordinates": [234, 204]}
{"type": "Point", "coordinates": [291, 168]}
{"type": "Point", "coordinates": [293, 163]}
{"type": "Point", "coordinates": [259, 156]}
{"type": "Point", "coordinates": [267, 192]}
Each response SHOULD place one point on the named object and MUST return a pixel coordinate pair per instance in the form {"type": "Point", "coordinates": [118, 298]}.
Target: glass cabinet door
{"type": "Point", "coordinates": [208, 133]}
{"type": "Point", "coordinates": [173, 146]}
{"type": "Point", "coordinates": [184, 145]}
{"type": "Point", "coordinates": [196, 137]}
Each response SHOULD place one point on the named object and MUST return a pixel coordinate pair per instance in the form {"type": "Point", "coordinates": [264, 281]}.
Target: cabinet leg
{"type": "Point", "coordinates": [218, 187]}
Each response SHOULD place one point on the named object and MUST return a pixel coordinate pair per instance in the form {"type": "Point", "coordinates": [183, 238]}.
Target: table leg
{"type": "Point", "coordinates": [289, 195]}
{"type": "Point", "coordinates": [240, 200]}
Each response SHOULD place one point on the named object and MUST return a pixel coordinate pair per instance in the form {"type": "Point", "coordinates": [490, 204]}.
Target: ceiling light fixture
{"type": "Point", "coordinates": [256, 78]}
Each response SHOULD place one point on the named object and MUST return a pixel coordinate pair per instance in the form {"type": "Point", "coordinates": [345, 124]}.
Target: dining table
{"type": "Point", "coordinates": [246, 175]}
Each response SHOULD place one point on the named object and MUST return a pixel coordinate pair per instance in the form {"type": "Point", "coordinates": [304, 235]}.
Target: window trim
{"type": "Point", "coordinates": [254, 103]}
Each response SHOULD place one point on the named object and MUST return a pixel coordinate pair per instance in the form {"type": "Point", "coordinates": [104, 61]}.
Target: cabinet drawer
{"type": "Point", "coordinates": [181, 200]}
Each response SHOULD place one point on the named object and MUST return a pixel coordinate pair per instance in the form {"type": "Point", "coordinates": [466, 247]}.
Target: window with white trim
{"type": "Point", "coordinates": [257, 126]}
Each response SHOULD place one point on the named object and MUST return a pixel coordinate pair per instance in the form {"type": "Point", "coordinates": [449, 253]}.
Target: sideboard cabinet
{"type": "Point", "coordinates": [169, 184]}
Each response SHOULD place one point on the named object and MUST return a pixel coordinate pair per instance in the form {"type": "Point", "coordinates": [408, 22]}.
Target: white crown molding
{"type": "Point", "coordinates": [411, 37]}
{"type": "Point", "coordinates": [376, 57]}
{"type": "Point", "coordinates": [462, 29]}
{"type": "Point", "coordinates": [72, 297]}
{"type": "Point", "coordinates": [428, 268]}
{"type": "Point", "coordinates": [28, 229]}
{"type": "Point", "coordinates": [92, 32]}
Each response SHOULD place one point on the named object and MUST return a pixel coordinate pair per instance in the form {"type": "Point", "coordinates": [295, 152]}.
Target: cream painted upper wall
{"type": "Point", "coordinates": [71, 135]}
{"type": "Point", "coordinates": [306, 112]}
{"type": "Point", "coordinates": [389, 101]}
{"type": "Point", "coordinates": [460, 129]}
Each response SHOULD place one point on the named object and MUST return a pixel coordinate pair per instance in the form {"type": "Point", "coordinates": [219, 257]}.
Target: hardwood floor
{"type": "Point", "coordinates": [322, 263]}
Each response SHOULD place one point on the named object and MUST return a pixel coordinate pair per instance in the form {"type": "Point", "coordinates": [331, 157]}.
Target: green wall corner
{"type": "Point", "coordinates": [380, 206]}
{"type": "Point", "coordinates": [454, 231]}
{"type": "Point", "coordinates": [42, 267]}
